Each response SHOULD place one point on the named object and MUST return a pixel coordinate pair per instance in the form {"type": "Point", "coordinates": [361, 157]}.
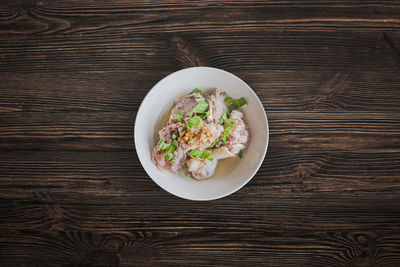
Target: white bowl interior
{"type": "Point", "coordinates": [159, 101]}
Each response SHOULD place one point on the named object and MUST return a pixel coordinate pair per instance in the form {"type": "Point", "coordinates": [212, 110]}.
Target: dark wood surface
{"type": "Point", "coordinates": [73, 74]}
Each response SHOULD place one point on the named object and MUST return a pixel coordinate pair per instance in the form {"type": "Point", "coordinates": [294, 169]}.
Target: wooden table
{"type": "Point", "coordinates": [73, 74]}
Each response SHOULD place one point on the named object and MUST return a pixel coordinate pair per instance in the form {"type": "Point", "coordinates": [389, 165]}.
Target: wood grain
{"type": "Point", "coordinates": [58, 17]}
{"type": "Point", "coordinates": [234, 51]}
{"type": "Point", "coordinates": [96, 173]}
{"type": "Point", "coordinates": [73, 74]}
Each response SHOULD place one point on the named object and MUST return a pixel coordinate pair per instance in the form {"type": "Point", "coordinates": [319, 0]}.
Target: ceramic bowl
{"type": "Point", "coordinates": [159, 101]}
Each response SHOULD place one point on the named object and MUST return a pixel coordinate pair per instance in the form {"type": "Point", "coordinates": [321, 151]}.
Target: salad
{"type": "Point", "coordinates": [203, 128]}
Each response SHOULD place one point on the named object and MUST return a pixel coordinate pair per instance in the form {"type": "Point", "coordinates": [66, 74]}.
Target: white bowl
{"type": "Point", "coordinates": [160, 100]}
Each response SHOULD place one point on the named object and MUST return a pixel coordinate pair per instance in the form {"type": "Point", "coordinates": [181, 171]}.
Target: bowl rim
{"type": "Point", "coordinates": [141, 159]}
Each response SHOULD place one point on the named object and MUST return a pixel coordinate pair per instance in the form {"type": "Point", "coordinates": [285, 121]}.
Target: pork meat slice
{"type": "Point", "coordinates": [166, 132]}
{"type": "Point", "coordinates": [239, 134]}
{"type": "Point", "coordinates": [162, 162]}
{"type": "Point", "coordinates": [216, 102]}
{"type": "Point", "coordinates": [201, 169]}
{"type": "Point", "coordinates": [213, 130]}
{"type": "Point", "coordinates": [185, 104]}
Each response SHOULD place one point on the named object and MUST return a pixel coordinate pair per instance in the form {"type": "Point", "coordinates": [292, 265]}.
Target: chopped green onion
{"type": "Point", "coordinates": [228, 101]}
{"type": "Point", "coordinates": [215, 141]}
{"type": "Point", "coordinates": [202, 106]}
{"type": "Point", "coordinates": [225, 115]}
{"type": "Point", "coordinates": [197, 154]}
{"type": "Point", "coordinates": [205, 116]}
{"type": "Point", "coordinates": [227, 130]}
{"type": "Point", "coordinates": [194, 121]}
{"type": "Point", "coordinates": [169, 149]}
{"type": "Point", "coordinates": [240, 154]}
{"type": "Point", "coordinates": [223, 118]}
{"type": "Point", "coordinates": [240, 102]}
{"type": "Point", "coordinates": [162, 145]}
{"type": "Point", "coordinates": [234, 103]}
{"type": "Point", "coordinates": [170, 158]}
{"type": "Point", "coordinates": [196, 90]}
{"type": "Point", "coordinates": [166, 147]}
{"type": "Point", "coordinates": [175, 143]}
{"type": "Point", "coordinates": [207, 155]}
{"type": "Point", "coordinates": [179, 117]}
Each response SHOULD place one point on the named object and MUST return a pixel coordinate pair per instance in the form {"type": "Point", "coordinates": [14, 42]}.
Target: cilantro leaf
{"type": "Point", "coordinates": [202, 106]}
{"type": "Point", "coordinates": [162, 145]}
{"type": "Point", "coordinates": [170, 158]}
{"type": "Point", "coordinates": [197, 90]}
{"type": "Point", "coordinates": [194, 121]}
{"type": "Point", "coordinates": [167, 147]}
{"type": "Point", "coordinates": [198, 154]}
{"type": "Point", "coordinates": [179, 116]}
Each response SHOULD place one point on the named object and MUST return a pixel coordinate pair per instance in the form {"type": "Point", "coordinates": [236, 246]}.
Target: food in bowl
{"type": "Point", "coordinates": [232, 173]}
{"type": "Point", "coordinates": [202, 128]}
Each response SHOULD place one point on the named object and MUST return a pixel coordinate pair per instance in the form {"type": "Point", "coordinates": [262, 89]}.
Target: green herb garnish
{"type": "Point", "coordinates": [170, 158]}
{"type": "Point", "coordinates": [233, 104]}
{"type": "Point", "coordinates": [240, 102]}
{"type": "Point", "coordinates": [227, 130]}
{"type": "Point", "coordinates": [198, 154]}
{"type": "Point", "coordinates": [206, 115]}
{"type": "Point", "coordinates": [162, 145]}
{"type": "Point", "coordinates": [175, 143]}
{"type": "Point", "coordinates": [228, 101]}
{"type": "Point", "coordinates": [223, 118]}
{"type": "Point", "coordinates": [240, 154]}
{"type": "Point", "coordinates": [197, 90]}
{"type": "Point", "coordinates": [202, 106]}
{"type": "Point", "coordinates": [215, 141]}
{"type": "Point", "coordinates": [194, 121]}
{"type": "Point", "coordinates": [174, 136]}
{"type": "Point", "coordinates": [168, 150]}
{"type": "Point", "coordinates": [179, 117]}
{"type": "Point", "coordinates": [167, 147]}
